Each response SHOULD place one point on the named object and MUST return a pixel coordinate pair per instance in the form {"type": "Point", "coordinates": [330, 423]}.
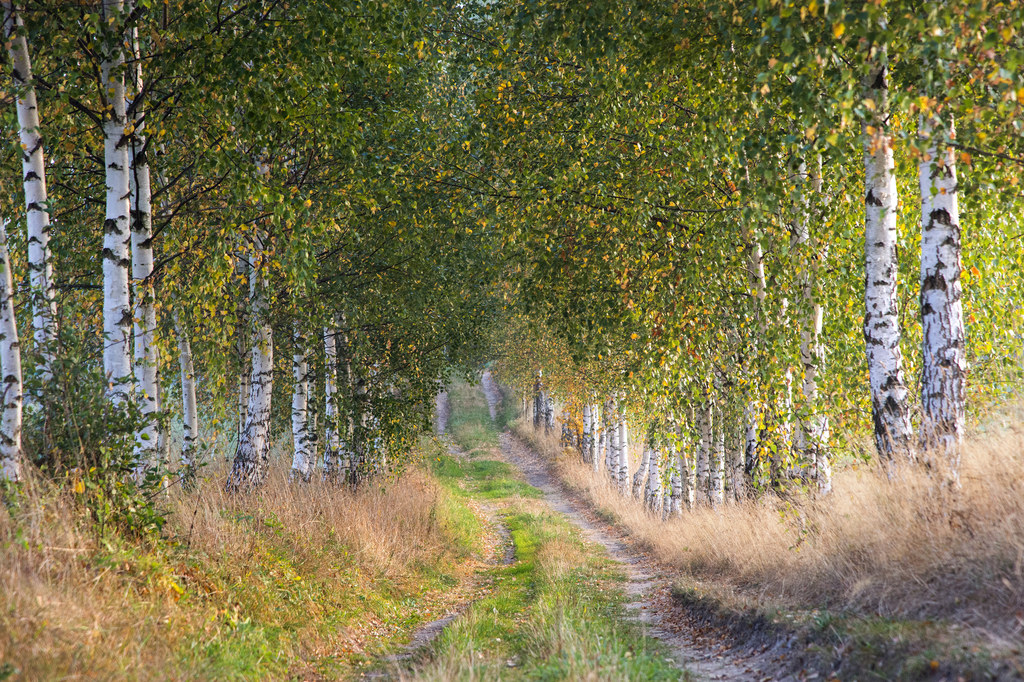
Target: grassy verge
{"type": "Point", "coordinates": [557, 612]}
{"type": "Point", "coordinates": [880, 580]}
{"type": "Point", "coordinates": [298, 582]}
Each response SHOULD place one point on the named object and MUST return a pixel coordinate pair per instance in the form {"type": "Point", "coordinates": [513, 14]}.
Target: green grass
{"type": "Point", "coordinates": [557, 612]}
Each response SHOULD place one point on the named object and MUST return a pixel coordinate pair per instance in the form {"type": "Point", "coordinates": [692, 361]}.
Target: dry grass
{"type": "Point", "coordinates": [905, 549]}
{"type": "Point", "coordinates": [252, 586]}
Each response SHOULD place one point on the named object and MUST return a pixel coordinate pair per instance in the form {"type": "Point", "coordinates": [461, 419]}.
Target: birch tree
{"type": "Point", "coordinates": [944, 362]}
{"type": "Point", "coordinates": [716, 475]}
{"type": "Point", "coordinates": [622, 464]}
{"type": "Point", "coordinates": [117, 312]}
{"type": "Point", "coordinates": [587, 445]}
{"type": "Point", "coordinates": [249, 467]}
{"type": "Point", "coordinates": [302, 461]}
{"type": "Point", "coordinates": [640, 477]}
{"type": "Point", "coordinates": [33, 167]}
{"type": "Point", "coordinates": [705, 423]}
{"type": "Point", "coordinates": [890, 413]}
{"type": "Point", "coordinates": [688, 473]}
{"type": "Point", "coordinates": [653, 488]}
{"type": "Point", "coordinates": [10, 365]}
{"type": "Point", "coordinates": [144, 318]}
{"type": "Point", "coordinates": [189, 405]}
{"type": "Point", "coordinates": [677, 473]}
{"type": "Point", "coordinates": [812, 437]}
{"type": "Point", "coordinates": [332, 445]}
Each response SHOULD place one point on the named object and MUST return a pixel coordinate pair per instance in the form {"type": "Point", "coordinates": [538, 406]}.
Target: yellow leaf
{"type": "Point", "coordinates": [838, 30]}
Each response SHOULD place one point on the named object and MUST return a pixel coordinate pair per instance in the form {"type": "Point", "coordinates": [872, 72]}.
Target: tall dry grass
{"type": "Point", "coordinates": [904, 548]}
{"type": "Point", "coordinates": [236, 577]}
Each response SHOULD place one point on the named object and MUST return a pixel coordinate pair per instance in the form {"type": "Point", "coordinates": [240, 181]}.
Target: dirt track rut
{"type": "Point", "coordinates": [648, 590]}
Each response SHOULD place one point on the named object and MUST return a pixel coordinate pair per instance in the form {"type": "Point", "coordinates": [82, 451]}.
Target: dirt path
{"type": "Point", "coordinates": [706, 657]}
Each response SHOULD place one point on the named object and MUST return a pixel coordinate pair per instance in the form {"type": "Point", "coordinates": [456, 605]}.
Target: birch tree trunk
{"type": "Point", "coordinates": [640, 477]}
{"type": "Point", "coordinates": [675, 464]}
{"type": "Point", "coordinates": [752, 409]}
{"type": "Point", "coordinates": [623, 462]}
{"type": "Point", "coordinates": [688, 472]}
{"type": "Point", "coordinates": [588, 438]}
{"type": "Point", "coordinates": [611, 463]}
{"type": "Point", "coordinates": [243, 268]}
{"type": "Point", "coordinates": [889, 409]}
{"type": "Point", "coordinates": [251, 457]}
{"type": "Point", "coordinates": [750, 440]}
{"type": "Point", "coordinates": [302, 463]}
{"type": "Point", "coordinates": [549, 413]}
{"type": "Point", "coordinates": [347, 456]}
{"type": "Point", "coordinates": [538, 401]}
{"type": "Point", "coordinates": [716, 483]}
{"type": "Point", "coordinates": [944, 366]}
{"type": "Point", "coordinates": [117, 312]}
{"type": "Point", "coordinates": [144, 319]}
{"type": "Point", "coordinates": [332, 446]}
{"type": "Point", "coordinates": [703, 464]}
{"type": "Point", "coordinates": [10, 365]}
{"type": "Point", "coordinates": [189, 408]}
{"type": "Point", "coordinates": [33, 167]}
{"type": "Point", "coordinates": [783, 452]}
{"type": "Point", "coordinates": [652, 493]}
{"type": "Point", "coordinates": [812, 441]}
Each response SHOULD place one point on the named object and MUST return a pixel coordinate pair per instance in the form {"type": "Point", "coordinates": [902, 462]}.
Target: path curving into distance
{"type": "Point", "coordinates": [646, 587]}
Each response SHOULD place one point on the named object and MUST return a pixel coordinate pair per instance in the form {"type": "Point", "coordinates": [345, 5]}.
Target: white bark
{"type": "Point", "coordinates": [751, 466]}
{"type": "Point", "coordinates": [611, 463]}
{"type": "Point", "coordinates": [944, 367]}
{"type": "Point", "coordinates": [703, 463]}
{"type": "Point", "coordinates": [332, 448]}
{"type": "Point", "coordinates": [189, 408]}
{"type": "Point", "coordinates": [623, 459]}
{"type": "Point", "coordinates": [716, 483]}
{"type": "Point", "coordinates": [251, 456]}
{"type": "Point", "coordinates": [752, 408]}
{"type": "Point", "coordinates": [302, 460]}
{"type": "Point", "coordinates": [731, 480]}
{"type": "Point", "coordinates": [640, 477]}
{"type": "Point", "coordinates": [891, 416]}
{"type": "Point", "coordinates": [812, 436]}
{"type": "Point", "coordinates": [652, 493]}
{"type": "Point", "coordinates": [688, 472]}
{"type": "Point", "coordinates": [144, 319]}
{"type": "Point", "coordinates": [117, 312]}
{"type": "Point", "coordinates": [33, 168]}
{"type": "Point", "coordinates": [538, 401]}
{"type": "Point", "coordinates": [243, 268]}
{"type": "Point", "coordinates": [678, 471]}
{"type": "Point", "coordinates": [549, 413]}
{"type": "Point", "coordinates": [588, 438]}
{"type": "Point", "coordinates": [10, 366]}
{"type": "Point", "coordinates": [782, 454]}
